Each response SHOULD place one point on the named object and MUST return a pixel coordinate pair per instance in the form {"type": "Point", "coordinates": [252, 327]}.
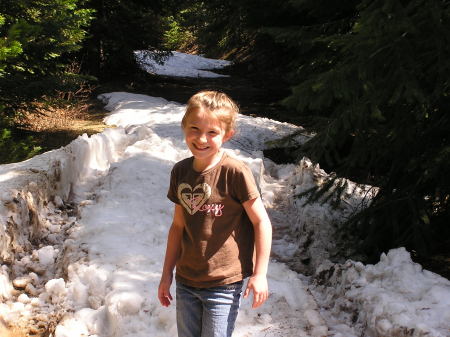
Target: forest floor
{"type": "Point", "coordinates": [256, 96]}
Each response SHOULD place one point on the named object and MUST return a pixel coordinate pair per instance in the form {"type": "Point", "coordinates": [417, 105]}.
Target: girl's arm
{"type": "Point", "coordinates": [263, 241]}
{"type": "Point", "coordinates": [172, 254]}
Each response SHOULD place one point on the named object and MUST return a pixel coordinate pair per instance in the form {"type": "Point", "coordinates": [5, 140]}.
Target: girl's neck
{"type": "Point", "coordinates": [200, 165]}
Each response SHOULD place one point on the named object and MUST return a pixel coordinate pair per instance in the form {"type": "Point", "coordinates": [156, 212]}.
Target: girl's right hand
{"type": "Point", "coordinates": [164, 295]}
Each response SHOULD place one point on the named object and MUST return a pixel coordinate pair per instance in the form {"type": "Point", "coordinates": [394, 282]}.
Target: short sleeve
{"type": "Point", "coordinates": [244, 185]}
{"type": "Point", "coordinates": [172, 193]}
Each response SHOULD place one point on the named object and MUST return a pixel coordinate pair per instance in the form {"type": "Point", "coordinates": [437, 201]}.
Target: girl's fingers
{"type": "Point", "coordinates": [165, 300]}
{"type": "Point", "coordinates": [246, 292]}
{"type": "Point", "coordinates": [164, 297]}
{"type": "Point", "coordinates": [259, 299]}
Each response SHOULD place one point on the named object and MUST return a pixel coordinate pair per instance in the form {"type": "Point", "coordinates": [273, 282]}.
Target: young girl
{"type": "Point", "coordinates": [219, 219]}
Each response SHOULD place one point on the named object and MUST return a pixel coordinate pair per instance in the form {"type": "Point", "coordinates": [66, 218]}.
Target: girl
{"type": "Point", "coordinates": [219, 219]}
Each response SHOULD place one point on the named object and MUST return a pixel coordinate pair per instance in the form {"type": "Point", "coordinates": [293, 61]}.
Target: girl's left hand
{"type": "Point", "coordinates": [257, 283]}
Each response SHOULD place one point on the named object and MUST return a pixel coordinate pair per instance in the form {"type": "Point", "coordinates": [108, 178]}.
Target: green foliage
{"type": "Point", "coordinates": [45, 30]}
{"type": "Point", "coordinates": [176, 37]}
{"type": "Point", "coordinates": [9, 48]}
{"type": "Point", "coordinates": [378, 72]}
{"type": "Point", "coordinates": [36, 39]}
{"type": "Point", "coordinates": [214, 26]}
{"type": "Point", "coordinates": [120, 28]}
{"type": "Point", "coordinates": [13, 149]}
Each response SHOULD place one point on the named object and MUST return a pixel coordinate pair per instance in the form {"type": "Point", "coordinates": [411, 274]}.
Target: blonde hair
{"type": "Point", "coordinates": [214, 103]}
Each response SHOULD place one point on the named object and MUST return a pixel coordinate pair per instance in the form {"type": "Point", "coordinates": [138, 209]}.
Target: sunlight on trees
{"type": "Point", "coordinates": [36, 39]}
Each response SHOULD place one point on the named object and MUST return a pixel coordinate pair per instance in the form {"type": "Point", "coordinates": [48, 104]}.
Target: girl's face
{"type": "Point", "coordinates": [204, 135]}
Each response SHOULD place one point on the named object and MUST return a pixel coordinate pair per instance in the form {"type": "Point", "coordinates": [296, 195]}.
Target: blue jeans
{"type": "Point", "coordinates": [207, 312]}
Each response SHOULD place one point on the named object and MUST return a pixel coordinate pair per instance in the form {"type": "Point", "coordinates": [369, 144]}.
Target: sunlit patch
{"type": "Point", "coordinates": [9, 175]}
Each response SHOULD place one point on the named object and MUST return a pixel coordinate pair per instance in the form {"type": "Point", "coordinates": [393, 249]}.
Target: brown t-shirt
{"type": "Point", "coordinates": [218, 239]}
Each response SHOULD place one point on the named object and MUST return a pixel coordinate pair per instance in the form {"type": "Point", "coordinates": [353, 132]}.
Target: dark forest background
{"type": "Point", "coordinates": [371, 78]}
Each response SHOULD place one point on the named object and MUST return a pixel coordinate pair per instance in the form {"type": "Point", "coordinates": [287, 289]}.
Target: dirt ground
{"type": "Point", "coordinates": [57, 127]}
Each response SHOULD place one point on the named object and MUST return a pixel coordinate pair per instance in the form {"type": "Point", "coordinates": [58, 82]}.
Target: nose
{"type": "Point", "coordinates": [202, 138]}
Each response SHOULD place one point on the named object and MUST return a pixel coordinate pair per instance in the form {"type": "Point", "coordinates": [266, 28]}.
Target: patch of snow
{"type": "Point", "coordinates": [47, 255]}
{"type": "Point", "coordinates": [181, 65]}
{"type": "Point", "coordinates": [393, 298]}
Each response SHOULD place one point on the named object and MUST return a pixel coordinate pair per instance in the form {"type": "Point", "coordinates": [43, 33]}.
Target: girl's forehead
{"type": "Point", "coordinates": [204, 117]}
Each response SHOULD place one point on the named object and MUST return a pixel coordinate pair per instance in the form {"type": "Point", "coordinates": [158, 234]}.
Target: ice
{"type": "Point", "coordinates": [72, 328]}
{"type": "Point", "coordinates": [123, 303]}
{"type": "Point", "coordinates": [5, 285]}
{"type": "Point", "coordinates": [47, 255]}
{"type": "Point", "coordinates": [56, 289]}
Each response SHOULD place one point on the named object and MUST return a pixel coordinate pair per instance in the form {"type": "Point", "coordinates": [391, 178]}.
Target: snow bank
{"type": "Point", "coordinates": [37, 216]}
{"type": "Point", "coordinates": [32, 188]}
{"type": "Point", "coordinates": [315, 234]}
{"type": "Point", "coordinates": [394, 298]}
{"type": "Point", "coordinates": [181, 65]}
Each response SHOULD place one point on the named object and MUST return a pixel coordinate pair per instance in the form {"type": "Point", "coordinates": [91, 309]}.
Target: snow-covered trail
{"type": "Point", "coordinates": [124, 230]}
{"type": "Point", "coordinates": [83, 232]}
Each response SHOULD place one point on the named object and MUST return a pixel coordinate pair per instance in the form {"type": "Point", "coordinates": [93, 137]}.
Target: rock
{"type": "Point", "coordinates": [34, 278]}
{"type": "Point", "coordinates": [30, 289]}
{"type": "Point", "coordinates": [36, 268]}
{"type": "Point", "coordinates": [21, 282]}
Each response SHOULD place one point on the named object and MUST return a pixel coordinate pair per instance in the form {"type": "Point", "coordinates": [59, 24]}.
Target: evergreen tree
{"type": "Point", "coordinates": [119, 29]}
{"type": "Point", "coordinates": [36, 38]}
{"type": "Point", "coordinates": [377, 74]}
{"type": "Point", "coordinates": [207, 23]}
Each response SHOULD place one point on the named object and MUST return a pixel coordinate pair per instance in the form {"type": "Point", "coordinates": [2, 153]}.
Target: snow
{"type": "Point", "coordinates": [47, 255]}
{"type": "Point", "coordinates": [395, 297]}
{"type": "Point", "coordinates": [181, 65]}
{"type": "Point", "coordinates": [92, 219]}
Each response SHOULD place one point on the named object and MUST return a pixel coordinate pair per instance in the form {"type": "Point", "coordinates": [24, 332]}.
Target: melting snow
{"type": "Point", "coordinates": [181, 65]}
{"type": "Point", "coordinates": [90, 221]}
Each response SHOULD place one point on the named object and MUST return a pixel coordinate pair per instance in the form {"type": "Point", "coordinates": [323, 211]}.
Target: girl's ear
{"type": "Point", "coordinates": [228, 135]}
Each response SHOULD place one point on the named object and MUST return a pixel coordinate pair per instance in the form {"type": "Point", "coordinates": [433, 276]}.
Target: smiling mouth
{"type": "Point", "coordinates": [201, 148]}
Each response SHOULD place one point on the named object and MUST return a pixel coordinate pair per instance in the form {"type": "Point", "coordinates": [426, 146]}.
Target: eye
{"type": "Point", "coordinates": [212, 132]}
{"type": "Point", "coordinates": [194, 128]}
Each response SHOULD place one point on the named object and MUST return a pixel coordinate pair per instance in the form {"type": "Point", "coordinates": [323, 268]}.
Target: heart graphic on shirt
{"type": "Point", "coordinates": [193, 198]}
